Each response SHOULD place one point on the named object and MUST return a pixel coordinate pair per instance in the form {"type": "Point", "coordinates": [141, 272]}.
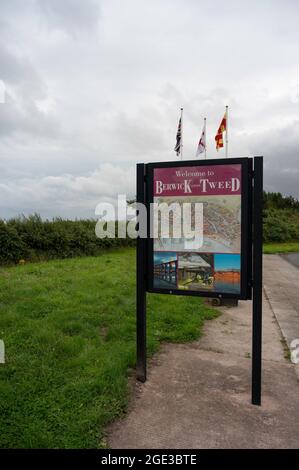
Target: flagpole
{"type": "Point", "coordinates": [181, 144]}
{"type": "Point", "coordinates": [205, 128]}
{"type": "Point", "coordinates": [226, 133]}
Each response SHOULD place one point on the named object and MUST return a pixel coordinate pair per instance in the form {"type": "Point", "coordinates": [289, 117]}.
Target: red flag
{"type": "Point", "coordinates": [219, 135]}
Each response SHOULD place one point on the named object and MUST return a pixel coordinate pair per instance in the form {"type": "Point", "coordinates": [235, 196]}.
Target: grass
{"type": "Point", "coordinates": [69, 332]}
{"type": "Point", "coordinates": [272, 248]}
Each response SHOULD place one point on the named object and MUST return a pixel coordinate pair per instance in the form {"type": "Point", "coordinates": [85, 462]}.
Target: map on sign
{"type": "Point", "coordinates": [221, 224]}
{"type": "Point", "coordinates": [215, 264]}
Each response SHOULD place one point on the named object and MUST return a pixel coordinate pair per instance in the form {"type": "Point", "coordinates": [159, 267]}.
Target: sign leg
{"type": "Point", "coordinates": [257, 281]}
{"type": "Point", "coordinates": [141, 335]}
{"type": "Point", "coordinates": [141, 285]}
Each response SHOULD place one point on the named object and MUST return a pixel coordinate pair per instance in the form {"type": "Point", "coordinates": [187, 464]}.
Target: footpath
{"type": "Point", "coordinates": [198, 395]}
{"type": "Point", "coordinates": [281, 287]}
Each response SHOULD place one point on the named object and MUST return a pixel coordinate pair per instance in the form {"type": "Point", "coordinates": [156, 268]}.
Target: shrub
{"type": "Point", "coordinates": [31, 238]}
{"type": "Point", "coordinates": [12, 247]}
{"type": "Point", "coordinates": [281, 225]}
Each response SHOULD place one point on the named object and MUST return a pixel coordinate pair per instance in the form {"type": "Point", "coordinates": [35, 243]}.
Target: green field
{"type": "Point", "coordinates": [69, 332]}
{"type": "Point", "coordinates": [273, 248]}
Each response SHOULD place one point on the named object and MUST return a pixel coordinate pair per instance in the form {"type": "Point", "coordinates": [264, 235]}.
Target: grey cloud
{"type": "Point", "coordinates": [67, 194]}
{"type": "Point", "coordinates": [27, 119]}
{"type": "Point", "coordinates": [23, 89]}
{"type": "Point", "coordinates": [72, 16]}
{"type": "Point", "coordinates": [281, 155]}
{"type": "Point", "coordinates": [282, 180]}
{"type": "Point", "coordinates": [137, 136]}
{"type": "Point", "coordinates": [92, 83]}
{"type": "Point", "coordinates": [21, 74]}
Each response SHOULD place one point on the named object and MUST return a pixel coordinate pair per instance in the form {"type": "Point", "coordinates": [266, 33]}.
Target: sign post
{"type": "Point", "coordinates": [224, 199]}
{"type": "Point", "coordinates": [141, 282]}
{"type": "Point", "coordinates": [257, 280]}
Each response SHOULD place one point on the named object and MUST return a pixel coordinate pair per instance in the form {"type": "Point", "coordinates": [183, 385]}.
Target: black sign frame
{"type": "Point", "coordinates": [254, 241]}
{"type": "Point", "coordinates": [246, 196]}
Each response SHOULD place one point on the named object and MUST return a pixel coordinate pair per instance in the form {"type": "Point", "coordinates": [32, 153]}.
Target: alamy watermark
{"type": "Point", "coordinates": [170, 220]}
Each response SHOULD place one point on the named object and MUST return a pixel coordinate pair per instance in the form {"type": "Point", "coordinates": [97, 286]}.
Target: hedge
{"type": "Point", "coordinates": [31, 238]}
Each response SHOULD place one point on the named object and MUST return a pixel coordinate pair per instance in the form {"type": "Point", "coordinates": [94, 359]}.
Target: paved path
{"type": "Point", "coordinates": [198, 395]}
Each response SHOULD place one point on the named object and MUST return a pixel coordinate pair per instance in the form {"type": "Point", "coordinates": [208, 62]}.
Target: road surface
{"type": "Point", "coordinates": [281, 284]}
{"type": "Point", "coordinates": [292, 258]}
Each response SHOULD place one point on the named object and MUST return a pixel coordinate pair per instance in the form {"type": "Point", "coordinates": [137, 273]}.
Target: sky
{"type": "Point", "coordinates": [224, 262]}
{"type": "Point", "coordinates": [89, 88]}
{"type": "Point", "coordinates": [164, 257]}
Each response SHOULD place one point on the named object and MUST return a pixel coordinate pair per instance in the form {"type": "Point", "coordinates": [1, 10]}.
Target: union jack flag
{"type": "Point", "coordinates": [177, 147]}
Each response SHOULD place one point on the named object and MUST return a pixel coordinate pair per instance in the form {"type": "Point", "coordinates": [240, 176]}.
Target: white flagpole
{"type": "Point", "coordinates": [205, 128]}
{"type": "Point", "coordinates": [181, 145]}
{"type": "Point", "coordinates": [226, 133]}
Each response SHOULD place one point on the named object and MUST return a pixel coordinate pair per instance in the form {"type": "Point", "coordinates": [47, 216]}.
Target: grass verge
{"type": "Point", "coordinates": [69, 333]}
{"type": "Point", "coordinates": [273, 248]}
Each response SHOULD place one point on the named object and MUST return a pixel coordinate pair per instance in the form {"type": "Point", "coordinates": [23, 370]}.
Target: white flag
{"type": "Point", "coordinates": [202, 143]}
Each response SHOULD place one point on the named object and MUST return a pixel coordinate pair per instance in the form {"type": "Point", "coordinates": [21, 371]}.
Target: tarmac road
{"type": "Point", "coordinates": [292, 258]}
{"type": "Point", "coordinates": [281, 284]}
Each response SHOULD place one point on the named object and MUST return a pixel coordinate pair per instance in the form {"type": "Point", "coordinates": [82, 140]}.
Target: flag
{"type": "Point", "coordinates": [219, 135]}
{"type": "Point", "coordinates": [202, 143]}
{"type": "Point", "coordinates": [177, 147]}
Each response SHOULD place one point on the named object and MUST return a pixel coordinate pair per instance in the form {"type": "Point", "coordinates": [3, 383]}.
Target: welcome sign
{"type": "Point", "coordinates": [215, 262]}
{"type": "Point", "coordinates": [220, 252]}
{"type": "Point", "coordinates": [209, 180]}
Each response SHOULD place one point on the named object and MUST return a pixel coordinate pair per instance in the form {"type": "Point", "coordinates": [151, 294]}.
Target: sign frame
{"type": "Point", "coordinates": [253, 211]}
{"type": "Point", "coordinates": [245, 253]}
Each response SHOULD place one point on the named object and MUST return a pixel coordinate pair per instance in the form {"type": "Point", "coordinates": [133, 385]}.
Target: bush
{"type": "Point", "coordinates": [281, 225]}
{"type": "Point", "coordinates": [33, 239]}
{"type": "Point", "coordinates": [12, 247]}
{"type": "Point", "coordinates": [281, 218]}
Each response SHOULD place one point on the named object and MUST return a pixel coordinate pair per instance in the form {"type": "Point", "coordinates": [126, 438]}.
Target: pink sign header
{"type": "Point", "coordinates": [197, 180]}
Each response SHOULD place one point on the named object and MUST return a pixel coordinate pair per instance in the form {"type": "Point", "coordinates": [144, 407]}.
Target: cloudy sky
{"type": "Point", "coordinates": [94, 86]}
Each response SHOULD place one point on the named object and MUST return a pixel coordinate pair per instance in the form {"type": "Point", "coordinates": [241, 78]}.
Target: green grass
{"type": "Point", "coordinates": [69, 332]}
{"type": "Point", "coordinates": [272, 248]}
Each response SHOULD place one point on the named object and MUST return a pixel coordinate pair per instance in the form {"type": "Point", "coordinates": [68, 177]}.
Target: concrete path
{"type": "Point", "coordinates": [198, 395]}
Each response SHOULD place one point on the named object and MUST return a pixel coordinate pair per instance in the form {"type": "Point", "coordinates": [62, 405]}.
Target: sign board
{"type": "Point", "coordinates": [222, 258]}
{"type": "Point", "coordinates": [215, 262]}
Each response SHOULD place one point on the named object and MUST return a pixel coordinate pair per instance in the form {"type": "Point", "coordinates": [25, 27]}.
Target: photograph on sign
{"type": "Point", "coordinates": [211, 260]}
